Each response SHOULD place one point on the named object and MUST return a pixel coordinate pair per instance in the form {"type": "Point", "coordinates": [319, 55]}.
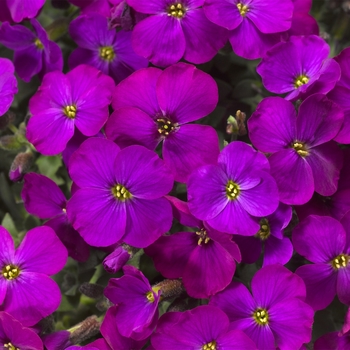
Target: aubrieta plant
{"type": "Point", "coordinates": [174, 175]}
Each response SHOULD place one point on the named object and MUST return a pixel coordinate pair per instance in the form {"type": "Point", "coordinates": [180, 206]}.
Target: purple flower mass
{"type": "Point", "coordinates": [325, 242]}
{"type": "Point", "coordinates": [303, 157]}
{"type": "Point", "coordinates": [80, 98]}
{"type": "Point", "coordinates": [299, 67]}
{"type": "Point", "coordinates": [274, 313]}
{"type": "Point", "coordinates": [103, 48]}
{"type": "Point", "coordinates": [175, 29]}
{"type": "Point", "coordinates": [229, 194]}
{"type": "Point", "coordinates": [253, 25]}
{"type": "Point", "coordinates": [153, 106]}
{"type": "Point", "coordinates": [121, 194]}
{"type": "Point", "coordinates": [26, 291]}
{"type": "Point", "coordinates": [8, 85]}
{"type": "Point", "coordinates": [34, 52]}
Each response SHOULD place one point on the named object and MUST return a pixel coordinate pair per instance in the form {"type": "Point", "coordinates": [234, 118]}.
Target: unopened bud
{"type": "Point", "coordinates": [91, 290]}
{"type": "Point", "coordinates": [85, 330]}
{"type": "Point", "coordinates": [178, 305]}
{"type": "Point", "coordinates": [116, 260]}
{"type": "Point", "coordinates": [6, 119]}
{"type": "Point", "coordinates": [20, 166]}
{"type": "Point", "coordinates": [10, 143]}
{"type": "Point", "coordinates": [170, 288]}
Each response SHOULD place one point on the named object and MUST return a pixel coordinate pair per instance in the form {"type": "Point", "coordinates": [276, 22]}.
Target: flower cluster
{"type": "Point", "coordinates": [145, 215]}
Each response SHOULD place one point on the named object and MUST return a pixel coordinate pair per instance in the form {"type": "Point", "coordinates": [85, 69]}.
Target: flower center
{"type": "Point", "coordinates": [341, 261]}
{"type": "Point", "coordinates": [10, 271]}
{"type": "Point", "coordinates": [210, 346]}
{"type": "Point", "coordinates": [232, 190]}
{"type": "Point", "coordinates": [243, 9]}
{"type": "Point", "coordinates": [10, 346]}
{"type": "Point", "coordinates": [150, 294]}
{"type": "Point", "coordinates": [176, 10]}
{"type": "Point", "coordinates": [70, 111]}
{"type": "Point", "coordinates": [203, 237]}
{"type": "Point", "coordinates": [261, 317]}
{"type": "Point", "coordinates": [165, 126]}
{"type": "Point", "coordinates": [107, 53]}
{"type": "Point", "coordinates": [120, 192]}
{"type": "Point", "coordinates": [300, 148]}
{"type": "Point", "coordinates": [264, 231]}
{"type": "Point", "coordinates": [38, 44]}
{"type": "Point", "coordinates": [301, 80]}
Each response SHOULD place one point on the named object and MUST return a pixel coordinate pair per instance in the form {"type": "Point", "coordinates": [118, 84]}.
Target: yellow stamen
{"type": "Point", "coordinates": [121, 193]}
{"type": "Point", "coordinates": [301, 80]}
{"type": "Point", "coordinates": [107, 53]}
{"type": "Point", "coordinates": [232, 190]}
{"type": "Point", "coordinates": [210, 346]}
{"type": "Point", "coordinates": [9, 346]}
{"type": "Point", "coordinates": [203, 236]}
{"type": "Point", "coordinates": [261, 317]}
{"type": "Point", "coordinates": [264, 231]}
{"type": "Point", "coordinates": [341, 261]}
{"type": "Point", "coordinates": [10, 272]}
{"type": "Point", "coordinates": [243, 9]}
{"type": "Point", "coordinates": [165, 126]}
{"type": "Point", "coordinates": [176, 10]}
{"type": "Point", "coordinates": [70, 111]}
{"type": "Point", "coordinates": [300, 148]}
{"type": "Point", "coordinates": [38, 44]}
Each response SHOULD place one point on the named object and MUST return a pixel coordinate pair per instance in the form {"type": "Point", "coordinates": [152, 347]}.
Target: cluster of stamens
{"type": "Point", "coordinates": [121, 193]}
{"type": "Point", "coordinates": [264, 231]}
{"type": "Point", "coordinates": [10, 272]}
{"type": "Point", "coordinates": [150, 296]}
{"type": "Point", "coordinates": [301, 80]}
{"type": "Point", "coordinates": [165, 126]}
{"type": "Point", "coordinates": [9, 346]}
{"type": "Point", "coordinates": [107, 53]}
{"type": "Point", "coordinates": [232, 190]}
{"type": "Point", "coordinates": [243, 9]}
{"type": "Point", "coordinates": [261, 316]}
{"type": "Point", "coordinates": [300, 148]}
{"type": "Point", "coordinates": [210, 346]}
{"type": "Point", "coordinates": [38, 44]}
{"type": "Point", "coordinates": [70, 111]}
{"type": "Point", "coordinates": [203, 237]}
{"type": "Point", "coordinates": [176, 10]}
{"type": "Point", "coordinates": [340, 261]}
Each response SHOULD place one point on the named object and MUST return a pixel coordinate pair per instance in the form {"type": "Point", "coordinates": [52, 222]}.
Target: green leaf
{"type": "Point", "coordinates": [49, 166]}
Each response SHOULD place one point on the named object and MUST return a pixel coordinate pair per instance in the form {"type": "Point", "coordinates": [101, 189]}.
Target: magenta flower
{"type": "Point", "coordinates": [229, 194]}
{"type": "Point", "coordinates": [340, 95]}
{"type": "Point", "coordinates": [205, 259]}
{"type": "Point", "coordinates": [107, 50]}
{"type": "Point", "coordinates": [8, 85]}
{"type": "Point", "coordinates": [44, 199]}
{"type": "Point", "coordinates": [274, 315]}
{"type": "Point", "coordinates": [254, 25]}
{"type": "Point", "coordinates": [121, 194]}
{"type": "Point", "coordinates": [14, 336]}
{"type": "Point", "coordinates": [277, 248]}
{"type": "Point", "coordinates": [161, 104]}
{"type": "Point", "coordinates": [113, 262]}
{"type": "Point", "coordinates": [101, 7]}
{"type": "Point", "coordinates": [304, 159]}
{"type": "Point", "coordinates": [34, 52]}
{"type": "Point", "coordinates": [80, 98]}
{"type": "Point", "coordinates": [333, 341]}
{"type": "Point", "coordinates": [175, 29]}
{"type": "Point", "coordinates": [17, 10]}
{"type": "Point", "coordinates": [325, 242]}
{"type": "Point", "coordinates": [137, 313]}
{"type": "Point", "coordinates": [299, 67]}
{"type": "Point", "coordinates": [26, 291]}
{"type": "Point", "coordinates": [205, 327]}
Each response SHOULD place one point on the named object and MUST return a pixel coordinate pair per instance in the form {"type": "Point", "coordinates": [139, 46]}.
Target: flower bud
{"type": "Point", "coordinates": [20, 166]}
{"type": "Point", "coordinates": [170, 288]}
{"type": "Point", "coordinates": [91, 290]}
{"type": "Point", "coordinates": [116, 260]}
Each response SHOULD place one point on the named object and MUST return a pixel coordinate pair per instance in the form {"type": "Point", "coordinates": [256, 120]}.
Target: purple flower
{"type": "Point", "coordinates": [277, 248]}
{"type": "Point", "coordinates": [205, 327]}
{"type": "Point", "coordinates": [14, 336]}
{"type": "Point", "coordinates": [175, 29]}
{"type": "Point", "coordinates": [205, 259]}
{"type": "Point", "coordinates": [111, 334]}
{"type": "Point", "coordinates": [253, 24]}
{"type": "Point", "coordinates": [17, 10]}
{"type": "Point", "coordinates": [304, 159]}
{"type": "Point", "coordinates": [80, 98]}
{"type": "Point", "coordinates": [153, 106]}
{"type": "Point", "coordinates": [299, 67]}
{"type": "Point", "coordinates": [8, 84]}
{"type": "Point", "coordinates": [325, 242]}
{"type": "Point", "coordinates": [340, 95]}
{"type": "Point", "coordinates": [121, 194]}
{"type": "Point", "coordinates": [57, 340]}
{"type": "Point", "coordinates": [34, 53]}
{"type": "Point", "coordinates": [26, 291]}
{"type": "Point", "coordinates": [43, 198]}
{"type": "Point", "coordinates": [333, 341]}
{"type": "Point", "coordinates": [113, 262]}
{"type": "Point", "coordinates": [107, 50]}
{"type": "Point", "coordinates": [274, 315]}
{"type": "Point", "coordinates": [228, 194]}
{"type": "Point", "coordinates": [137, 313]}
